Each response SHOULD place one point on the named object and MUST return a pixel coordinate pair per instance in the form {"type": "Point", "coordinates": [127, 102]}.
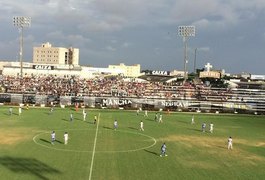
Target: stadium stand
{"type": "Point", "coordinates": [153, 88]}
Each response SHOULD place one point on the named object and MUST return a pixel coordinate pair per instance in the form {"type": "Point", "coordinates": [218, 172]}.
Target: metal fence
{"type": "Point", "coordinates": [232, 105]}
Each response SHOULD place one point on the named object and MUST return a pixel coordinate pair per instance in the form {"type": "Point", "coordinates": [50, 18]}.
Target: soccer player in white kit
{"type": "Point", "coordinates": [51, 110]}
{"type": "Point", "coordinates": [156, 117]}
{"type": "Point", "coordinates": [19, 110]}
{"type": "Point", "coordinates": [137, 112]}
{"type": "Point", "coordinates": [141, 126]}
{"type": "Point", "coordinates": [192, 120]}
{"type": "Point", "coordinates": [66, 137]}
{"type": "Point", "coordinates": [84, 115]}
{"type": "Point", "coordinates": [211, 127]}
{"type": "Point", "coordinates": [230, 143]}
{"type": "Point", "coordinates": [160, 118]}
{"type": "Point", "coordinates": [145, 113]}
{"type": "Point", "coordinates": [71, 117]}
{"type": "Point", "coordinates": [10, 111]}
{"type": "Point", "coordinates": [115, 124]}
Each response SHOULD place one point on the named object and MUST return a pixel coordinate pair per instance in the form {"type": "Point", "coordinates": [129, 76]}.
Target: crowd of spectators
{"type": "Point", "coordinates": [74, 86]}
{"type": "Point", "coordinates": [112, 87]}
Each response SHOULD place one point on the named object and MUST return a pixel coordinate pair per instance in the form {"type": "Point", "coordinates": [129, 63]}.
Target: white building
{"type": "Point", "coordinates": [127, 71]}
{"type": "Point", "coordinates": [177, 73]}
{"type": "Point", "coordinates": [46, 54]}
{"type": "Point", "coordinates": [63, 62]}
{"type": "Point", "coordinates": [32, 69]}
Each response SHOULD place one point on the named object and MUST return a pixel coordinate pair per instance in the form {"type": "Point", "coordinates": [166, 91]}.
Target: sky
{"type": "Point", "coordinates": [230, 34]}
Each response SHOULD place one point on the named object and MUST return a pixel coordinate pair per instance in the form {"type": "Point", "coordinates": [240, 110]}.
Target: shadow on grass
{"type": "Point", "coordinates": [221, 147]}
{"type": "Point", "coordinates": [105, 127]}
{"type": "Point", "coordinates": [49, 142]}
{"type": "Point", "coordinates": [148, 119]}
{"type": "Point", "coordinates": [133, 128]}
{"type": "Point", "coordinates": [184, 122]}
{"type": "Point", "coordinates": [68, 120]}
{"type": "Point", "coordinates": [8, 114]}
{"type": "Point", "coordinates": [59, 141]}
{"type": "Point", "coordinates": [28, 166]}
{"type": "Point", "coordinates": [49, 113]}
{"type": "Point", "coordinates": [90, 122]}
{"type": "Point", "coordinates": [151, 152]}
{"type": "Point", "coordinates": [44, 140]}
{"type": "Point", "coordinates": [192, 129]}
{"type": "Point", "coordinates": [78, 119]}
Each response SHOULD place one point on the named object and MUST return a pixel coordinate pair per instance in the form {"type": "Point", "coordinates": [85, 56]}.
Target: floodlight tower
{"type": "Point", "coordinates": [21, 22]}
{"type": "Point", "coordinates": [195, 60]}
{"type": "Point", "coordinates": [186, 32]}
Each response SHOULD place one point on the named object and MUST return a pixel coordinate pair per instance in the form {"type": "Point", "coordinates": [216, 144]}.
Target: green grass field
{"type": "Point", "coordinates": [100, 153]}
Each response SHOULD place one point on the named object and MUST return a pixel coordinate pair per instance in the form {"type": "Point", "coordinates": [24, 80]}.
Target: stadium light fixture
{"type": "Point", "coordinates": [195, 60]}
{"type": "Point", "coordinates": [21, 22]}
{"type": "Point", "coordinates": [186, 32]}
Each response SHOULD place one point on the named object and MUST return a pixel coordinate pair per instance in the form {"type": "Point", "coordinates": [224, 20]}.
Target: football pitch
{"type": "Point", "coordinates": [98, 152]}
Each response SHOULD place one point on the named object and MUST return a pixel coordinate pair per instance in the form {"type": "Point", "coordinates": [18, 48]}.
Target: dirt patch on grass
{"type": "Point", "coordinates": [199, 164]}
{"type": "Point", "coordinates": [14, 136]}
{"type": "Point", "coordinates": [259, 144]}
{"type": "Point", "coordinates": [196, 141]}
{"type": "Point", "coordinates": [217, 148]}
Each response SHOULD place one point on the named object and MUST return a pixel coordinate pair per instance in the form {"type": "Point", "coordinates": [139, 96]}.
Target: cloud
{"type": "Point", "coordinates": [205, 49]}
{"type": "Point", "coordinates": [110, 48]}
{"type": "Point", "coordinates": [133, 29]}
{"type": "Point", "coordinates": [55, 35]}
{"type": "Point", "coordinates": [126, 44]}
{"type": "Point", "coordinates": [116, 15]}
{"type": "Point", "coordinates": [99, 26]}
{"type": "Point", "coordinates": [217, 13]}
{"type": "Point", "coordinates": [201, 23]}
{"type": "Point", "coordinates": [69, 39]}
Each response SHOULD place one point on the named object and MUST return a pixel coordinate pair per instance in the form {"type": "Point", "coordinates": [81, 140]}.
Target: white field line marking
{"type": "Point", "coordinates": [98, 151]}
{"type": "Point", "coordinates": [94, 149]}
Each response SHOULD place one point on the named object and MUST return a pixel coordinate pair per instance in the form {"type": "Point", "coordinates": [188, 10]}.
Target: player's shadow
{"type": "Point", "coordinates": [184, 122]}
{"type": "Point", "coordinates": [192, 129]}
{"type": "Point", "coordinates": [59, 141]}
{"type": "Point", "coordinates": [132, 128]}
{"type": "Point", "coordinates": [28, 166]}
{"type": "Point", "coordinates": [8, 114]}
{"type": "Point", "coordinates": [151, 152]}
{"type": "Point", "coordinates": [148, 119]}
{"type": "Point", "coordinates": [78, 119]}
{"type": "Point", "coordinates": [68, 120]}
{"type": "Point", "coordinates": [90, 122]}
{"type": "Point", "coordinates": [221, 147]}
{"type": "Point", "coordinates": [106, 127]}
{"type": "Point", "coordinates": [44, 140]}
